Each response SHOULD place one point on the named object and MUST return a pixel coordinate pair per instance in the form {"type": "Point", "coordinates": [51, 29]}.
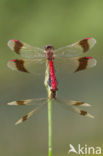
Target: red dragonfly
{"type": "Point", "coordinates": [31, 54]}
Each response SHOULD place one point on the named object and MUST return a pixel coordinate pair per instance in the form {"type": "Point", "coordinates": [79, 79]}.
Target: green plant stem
{"type": "Point", "coordinates": [49, 127]}
{"type": "Point", "coordinates": [49, 110]}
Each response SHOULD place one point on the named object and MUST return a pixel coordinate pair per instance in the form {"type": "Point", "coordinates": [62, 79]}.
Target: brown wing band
{"type": "Point", "coordinates": [79, 103]}
{"type": "Point", "coordinates": [84, 44]}
{"type": "Point", "coordinates": [18, 46]}
{"type": "Point", "coordinates": [83, 62]}
{"type": "Point", "coordinates": [20, 65]}
{"type": "Point", "coordinates": [20, 102]}
{"type": "Point", "coordinates": [83, 113]}
{"type": "Point", "coordinates": [24, 118]}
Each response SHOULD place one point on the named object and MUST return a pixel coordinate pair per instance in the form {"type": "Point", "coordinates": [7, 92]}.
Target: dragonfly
{"type": "Point", "coordinates": [32, 54]}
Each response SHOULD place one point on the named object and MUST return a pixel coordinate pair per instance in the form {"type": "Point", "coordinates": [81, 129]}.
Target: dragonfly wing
{"type": "Point", "coordinates": [40, 103]}
{"type": "Point", "coordinates": [83, 63]}
{"type": "Point", "coordinates": [20, 102]}
{"type": "Point", "coordinates": [82, 112]}
{"type": "Point", "coordinates": [27, 116]}
{"type": "Point", "coordinates": [27, 102]}
{"type": "Point", "coordinates": [23, 64]}
{"type": "Point", "coordinates": [75, 64]}
{"type": "Point", "coordinates": [76, 49]}
{"type": "Point", "coordinates": [78, 103]}
{"type": "Point", "coordinates": [18, 65]}
{"type": "Point", "coordinates": [25, 50]}
{"type": "Point", "coordinates": [74, 105]}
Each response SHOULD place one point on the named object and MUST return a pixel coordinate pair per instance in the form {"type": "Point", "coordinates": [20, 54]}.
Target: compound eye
{"type": "Point", "coordinates": [48, 47]}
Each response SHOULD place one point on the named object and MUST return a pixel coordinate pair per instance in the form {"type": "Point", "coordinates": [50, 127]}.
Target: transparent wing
{"type": "Point", "coordinates": [74, 106]}
{"type": "Point", "coordinates": [24, 65]}
{"type": "Point", "coordinates": [76, 49]}
{"type": "Point", "coordinates": [25, 50]}
{"type": "Point", "coordinates": [75, 64]}
{"type": "Point", "coordinates": [27, 102]}
{"type": "Point", "coordinates": [28, 115]}
{"type": "Point", "coordinates": [39, 102]}
{"type": "Point", "coordinates": [84, 63]}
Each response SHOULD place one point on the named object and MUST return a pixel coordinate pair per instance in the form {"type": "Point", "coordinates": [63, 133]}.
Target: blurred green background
{"type": "Point", "coordinates": [56, 22]}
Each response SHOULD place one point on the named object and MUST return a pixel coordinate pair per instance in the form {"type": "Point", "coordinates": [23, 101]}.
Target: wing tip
{"type": "Point", "coordinates": [18, 122]}
{"type": "Point", "coordinates": [85, 63]}
{"type": "Point", "coordinates": [79, 103]}
{"type": "Point", "coordinates": [17, 65]}
{"type": "Point", "coordinates": [83, 113]}
{"type": "Point", "coordinates": [90, 116]}
{"type": "Point", "coordinates": [92, 41]}
{"type": "Point", "coordinates": [11, 103]}
{"type": "Point", "coordinates": [9, 43]}
{"type": "Point", "coordinates": [91, 38]}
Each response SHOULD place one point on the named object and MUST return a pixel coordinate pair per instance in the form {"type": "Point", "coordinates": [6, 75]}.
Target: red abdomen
{"type": "Point", "coordinates": [52, 75]}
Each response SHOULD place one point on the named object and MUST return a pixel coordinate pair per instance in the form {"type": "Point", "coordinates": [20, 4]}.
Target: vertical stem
{"type": "Point", "coordinates": [50, 127]}
{"type": "Point", "coordinates": [49, 110]}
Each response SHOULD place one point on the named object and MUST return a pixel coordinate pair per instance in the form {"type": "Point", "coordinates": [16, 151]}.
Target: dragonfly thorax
{"type": "Point", "coordinates": [49, 50]}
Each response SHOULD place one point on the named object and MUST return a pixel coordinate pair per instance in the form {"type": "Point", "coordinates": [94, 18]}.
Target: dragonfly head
{"type": "Point", "coordinates": [48, 48]}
